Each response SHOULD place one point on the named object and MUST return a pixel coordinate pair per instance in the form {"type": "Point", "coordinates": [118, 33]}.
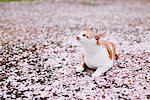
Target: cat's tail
{"type": "Point", "coordinates": [115, 51]}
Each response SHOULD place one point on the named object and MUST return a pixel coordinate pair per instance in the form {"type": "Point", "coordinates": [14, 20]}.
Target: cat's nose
{"type": "Point", "coordinates": [78, 38]}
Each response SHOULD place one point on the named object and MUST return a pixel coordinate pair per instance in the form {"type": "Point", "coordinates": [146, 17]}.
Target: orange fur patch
{"type": "Point", "coordinates": [108, 48]}
{"type": "Point", "coordinates": [114, 51]}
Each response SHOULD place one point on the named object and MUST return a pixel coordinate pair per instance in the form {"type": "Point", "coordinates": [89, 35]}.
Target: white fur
{"type": "Point", "coordinates": [95, 56]}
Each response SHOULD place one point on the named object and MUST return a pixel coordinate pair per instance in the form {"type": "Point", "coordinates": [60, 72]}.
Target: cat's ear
{"type": "Point", "coordinates": [99, 35]}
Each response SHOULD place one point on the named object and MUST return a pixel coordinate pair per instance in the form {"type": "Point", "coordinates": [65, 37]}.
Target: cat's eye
{"type": "Point", "coordinates": [83, 35]}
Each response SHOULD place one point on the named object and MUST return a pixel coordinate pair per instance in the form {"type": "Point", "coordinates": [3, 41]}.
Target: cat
{"type": "Point", "coordinates": [98, 54]}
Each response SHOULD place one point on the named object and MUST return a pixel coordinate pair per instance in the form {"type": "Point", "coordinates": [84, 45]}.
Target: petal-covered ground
{"type": "Point", "coordinates": [39, 53]}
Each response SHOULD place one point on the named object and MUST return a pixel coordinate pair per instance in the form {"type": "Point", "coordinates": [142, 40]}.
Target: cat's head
{"type": "Point", "coordinates": [88, 36]}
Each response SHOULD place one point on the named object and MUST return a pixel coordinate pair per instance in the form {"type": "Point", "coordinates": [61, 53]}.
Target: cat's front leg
{"type": "Point", "coordinates": [81, 67]}
{"type": "Point", "coordinates": [99, 71]}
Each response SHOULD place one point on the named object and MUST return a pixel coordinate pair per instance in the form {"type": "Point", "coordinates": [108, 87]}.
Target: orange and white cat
{"type": "Point", "coordinates": [98, 54]}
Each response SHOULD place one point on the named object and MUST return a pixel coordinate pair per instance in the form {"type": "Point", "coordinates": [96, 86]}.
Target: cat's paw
{"type": "Point", "coordinates": [79, 69]}
{"type": "Point", "coordinates": [96, 74]}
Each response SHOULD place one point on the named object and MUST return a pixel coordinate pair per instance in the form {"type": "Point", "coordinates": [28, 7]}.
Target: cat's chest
{"type": "Point", "coordinates": [95, 59]}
